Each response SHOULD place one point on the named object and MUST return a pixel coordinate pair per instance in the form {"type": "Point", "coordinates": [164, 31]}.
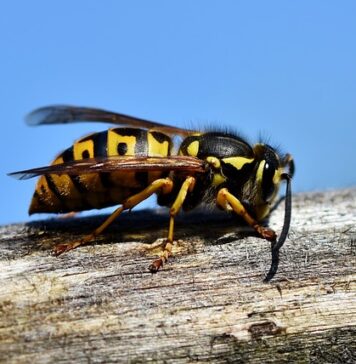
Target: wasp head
{"type": "Point", "coordinates": [263, 185]}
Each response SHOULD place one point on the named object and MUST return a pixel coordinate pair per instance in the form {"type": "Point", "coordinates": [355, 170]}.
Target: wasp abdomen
{"type": "Point", "coordinates": [65, 193]}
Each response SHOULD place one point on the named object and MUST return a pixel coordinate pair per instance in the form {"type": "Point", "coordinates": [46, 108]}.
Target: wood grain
{"type": "Point", "coordinates": [100, 304]}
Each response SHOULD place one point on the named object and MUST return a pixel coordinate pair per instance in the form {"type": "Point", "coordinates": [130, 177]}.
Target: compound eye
{"type": "Point", "coordinates": [268, 186]}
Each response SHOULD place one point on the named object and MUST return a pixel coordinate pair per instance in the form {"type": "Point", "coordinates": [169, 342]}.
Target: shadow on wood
{"type": "Point", "coordinates": [99, 303]}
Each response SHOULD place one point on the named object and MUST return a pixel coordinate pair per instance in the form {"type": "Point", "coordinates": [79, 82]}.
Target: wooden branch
{"type": "Point", "coordinates": [99, 303]}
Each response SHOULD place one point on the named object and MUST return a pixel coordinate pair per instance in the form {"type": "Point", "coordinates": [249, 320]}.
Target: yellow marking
{"type": "Point", "coordinates": [193, 148]}
{"type": "Point", "coordinates": [214, 162]}
{"type": "Point", "coordinates": [122, 179]}
{"type": "Point", "coordinates": [79, 147]}
{"type": "Point", "coordinates": [225, 199]}
{"type": "Point", "coordinates": [66, 187]}
{"type": "Point", "coordinates": [277, 176]}
{"type": "Point", "coordinates": [238, 162]}
{"type": "Point", "coordinates": [47, 199]}
{"type": "Point", "coordinates": [155, 148]}
{"type": "Point", "coordinates": [171, 229]}
{"type": "Point", "coordinates": [114, 139]}
{"type": "Point", "coordinates": [262, 208]}
{"type": "Point", "coordinates": [259, 174]}
{"type": "Point", "coordinates": [187, 185]}
{"type": "Point", "coordinates": [91, 181]}
{"type": "Point", "coordinates": [218, 179]}
{"type": "Point", "coordinates": [153, 175]}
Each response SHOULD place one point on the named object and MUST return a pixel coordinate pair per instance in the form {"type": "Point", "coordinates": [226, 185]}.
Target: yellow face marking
{"type": "Point", "coordinates": [155, 148]}
{"type": "Point", "coordinates": [115, 139]}
{"type": "Point", "coordinates": [259, 173]}
{"type": "Point", "coordinates": [238, 162]}
{"type": "Point", "coordinates": [277, 176]}
{"type": "Point", "coordinates": [218, 179]}
{"type": "Point", "coordinates": [83, 149]}
{"type": "Point", "coordinates": [193, 148]}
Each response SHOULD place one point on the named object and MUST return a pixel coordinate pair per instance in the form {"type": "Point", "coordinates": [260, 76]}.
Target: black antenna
{"type": "Point", "coordinates": [283, 236]}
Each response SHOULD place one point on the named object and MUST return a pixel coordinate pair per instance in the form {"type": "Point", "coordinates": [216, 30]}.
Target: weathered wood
{"type": "Point", "coordinates": [99, 303]}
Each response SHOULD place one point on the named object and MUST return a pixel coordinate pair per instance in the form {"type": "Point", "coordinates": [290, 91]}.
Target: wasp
{"type": "Point", "coordinates": [127, 164]}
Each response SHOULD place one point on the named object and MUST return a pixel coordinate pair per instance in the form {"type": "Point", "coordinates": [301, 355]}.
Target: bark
{"type": "Point", "coordinates": [99, 303]}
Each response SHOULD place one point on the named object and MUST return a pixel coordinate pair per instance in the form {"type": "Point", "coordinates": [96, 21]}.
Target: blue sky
{"type": "Point", "coordinates": [283, 69]}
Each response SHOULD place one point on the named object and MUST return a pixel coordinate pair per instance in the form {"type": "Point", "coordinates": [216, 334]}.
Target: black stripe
{"type": "Point", "coordinates": [101, 150]}
{"type": "Point", "coordinates": [160, 137]}
{"type": "Point", "coordinates": [100, 141]}
{"type": "Point", "coordinates": [68, 156]}
{"type": "Point", "coordinates": [85, 139]}
{"type": "Point", "coordinates": [53, 187]}
{"type": "Point", "coordinates": [129, 131]}
{"type": "Point", "coordinates": [186, 142]}
{"type": "Point", "coordinates": [82, 189]}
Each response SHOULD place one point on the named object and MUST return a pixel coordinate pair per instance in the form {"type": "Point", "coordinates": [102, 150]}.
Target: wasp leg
{"type": "Point", "coordinates": [187, 185]}
{"type": "Point", "coordinates": [163, 184]}
{"type": "Point", "coordinates": [227, 201]}
{"type": "Point", "coordinates": [157, 245]}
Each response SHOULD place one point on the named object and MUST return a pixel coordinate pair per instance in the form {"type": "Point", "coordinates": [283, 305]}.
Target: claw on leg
{"type": "Point", "coordinates": [266, 232]}
{"type": "Point", "coordinates": [186, 187]}
{"type": "Point", "coordinates": [66, 247]}
{"type": "Point", "coordinates": [226, 200]}
{"type": "Point", "coordinates": [156, 265]}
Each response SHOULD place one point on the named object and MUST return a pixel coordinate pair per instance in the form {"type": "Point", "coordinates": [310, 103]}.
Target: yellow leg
{"type": "Point", "coordinates": [187, 185]}
{"type": "Point", "coordinates": [227, 200]}
{"type": "Point", "coordinates": [163, 184]}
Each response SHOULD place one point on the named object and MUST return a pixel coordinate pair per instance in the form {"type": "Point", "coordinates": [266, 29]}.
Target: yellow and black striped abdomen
{"type": "Point", "coordinates": [64, 193]}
